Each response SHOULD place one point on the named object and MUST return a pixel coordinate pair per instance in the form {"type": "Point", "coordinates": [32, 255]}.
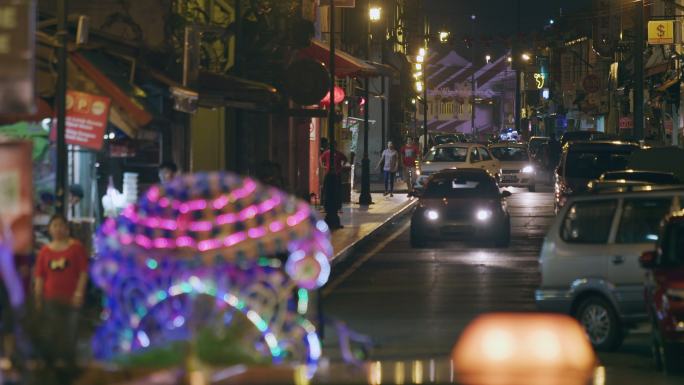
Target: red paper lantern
{"type": "Point", "coordinates": [339, 97]}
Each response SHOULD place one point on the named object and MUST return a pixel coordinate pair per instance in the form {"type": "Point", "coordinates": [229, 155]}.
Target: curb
{"type": "Point", "coordinates": [345, 253]}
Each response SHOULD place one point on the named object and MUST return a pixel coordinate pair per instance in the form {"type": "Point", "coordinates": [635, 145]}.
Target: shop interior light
{"type": "Point", "coordinates": [422, 52]}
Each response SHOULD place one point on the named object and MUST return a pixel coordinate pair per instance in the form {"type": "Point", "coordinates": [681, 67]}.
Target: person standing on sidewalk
{"type": "Point", "coordinates": [61, 275]}
{"type": "Point", "coordinates": [389, 163]}
{"type": "Point", "coordinates": [409, 153]}
{"type": "Point", "coordinates": [339, 160]}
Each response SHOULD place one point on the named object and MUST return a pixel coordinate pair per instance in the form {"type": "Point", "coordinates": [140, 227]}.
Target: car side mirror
{"type": "Point", "coordinates": [505, 194]}
{"type": "Point", "coordinates": [647, 260]}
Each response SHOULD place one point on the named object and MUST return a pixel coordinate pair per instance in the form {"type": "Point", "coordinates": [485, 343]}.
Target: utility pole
{"type": "Point", "coordinates": [472, 80]}
{"type": "Point", "coordinates": [518, 76]}
{"type": "Point", "coordinates": [332, 183]}
{"type": "Point", "coordinates": [365, 198]}
{"type": "Point", "coordinates": [426, 145]}
{"type": "Point", "coordinates": [61, 186]}
{"type": "Point", "coordinates": [639, 70]}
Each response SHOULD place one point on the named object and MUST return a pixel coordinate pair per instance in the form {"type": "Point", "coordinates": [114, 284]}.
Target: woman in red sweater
{"type": "Point", "coordinates": [61, 275]}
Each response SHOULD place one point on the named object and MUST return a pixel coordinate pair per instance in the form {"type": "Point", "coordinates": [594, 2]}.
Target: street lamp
{"type": "Point", "coordinates": [526, 57]}
{"type": "Point", "coordinates": [374, 14]}
{"type": "Point", "coordinates": [488, 58]}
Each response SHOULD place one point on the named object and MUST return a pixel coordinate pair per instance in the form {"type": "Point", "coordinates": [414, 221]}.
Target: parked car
{"type": "Point", "coordinates": [574, 136]}
{"type": "Point", "coordinates": [582, 162]}
{"type": "Point", "coordinates": [535, 146]}
{"type": "Point", "coordinates": [456, 155]}
{"type": "Point", "coordinates": [664, 293]}
{"type": "Point", "coordinates": [461, 202]}
{"type": "Point", "coordinates": [590, 259]}
{"type": "Point", "coordinates": [517, 169]}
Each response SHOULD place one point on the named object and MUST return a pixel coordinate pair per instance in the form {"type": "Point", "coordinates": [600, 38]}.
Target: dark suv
{"type": "Point", "coordinates": [582, 162]}
{"type": "Point", "coordinates": [664, 291]}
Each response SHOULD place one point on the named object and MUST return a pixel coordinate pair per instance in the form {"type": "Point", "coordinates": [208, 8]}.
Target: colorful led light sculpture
{"type": "Point", "coordinates": [216, 235]}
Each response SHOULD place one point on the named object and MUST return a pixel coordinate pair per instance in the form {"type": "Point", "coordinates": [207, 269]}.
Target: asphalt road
{"type": "Point", "coordinates": [414, 303]}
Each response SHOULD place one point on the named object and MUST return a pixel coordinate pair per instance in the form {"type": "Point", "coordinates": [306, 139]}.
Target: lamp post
{"type": "Point", "coordinates": [421, 87]}
{"type": "Point", "coordinates": [61, 184]}
{"type": "Point", "coordinates": [472, 79]}
{"type": "Point", "coordinates": [332, 183]}
{"type": "Point", "coordinates": [365, 198]}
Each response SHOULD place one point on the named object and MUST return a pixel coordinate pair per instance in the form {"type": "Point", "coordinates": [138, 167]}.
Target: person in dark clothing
{"type": "Point", "coordinates": [553, 153]}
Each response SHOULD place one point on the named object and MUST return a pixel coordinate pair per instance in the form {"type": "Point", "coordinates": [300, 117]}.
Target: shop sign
{"type": "Point", "coordinates": [626, 123]}
{"type": "Point", "coordinates": [16, 196]}
{"type": "Point", "coordinates": [661, 32]}
{"type": "Point", "coordinates": [17, 57]}
{"type": "Point", "coordinates": [86, 120]}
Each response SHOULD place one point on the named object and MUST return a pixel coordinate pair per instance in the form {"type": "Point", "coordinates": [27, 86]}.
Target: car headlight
{"type": "Point", "coordinates": [528, 170]}
{"type": "Point", "coordinates": [483, 215]}
{"type": "Point", "coordinates": [432, 215]}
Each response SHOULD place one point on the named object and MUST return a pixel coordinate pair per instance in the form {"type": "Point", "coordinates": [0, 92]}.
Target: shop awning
{"type": "Point", "coordinates": [345, 64]}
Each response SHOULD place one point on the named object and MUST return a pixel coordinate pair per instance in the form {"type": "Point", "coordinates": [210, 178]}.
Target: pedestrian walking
{"type": "Point", "coordinates": [61, 275]}
{"type": "Point", "coordinates": [389, 164]}
{"type": "Point", "coordinates": [409, 154]}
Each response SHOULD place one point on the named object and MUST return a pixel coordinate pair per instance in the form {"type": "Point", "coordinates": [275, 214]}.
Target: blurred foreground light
{"type": "Point", "coordinates": [524, 349]}
{"type": "Point", "coordinates": [444, 36]}
{"type": "Point", "coordinates": [422, 52]}
{"type": "Point", "coordinates": [526, 57]}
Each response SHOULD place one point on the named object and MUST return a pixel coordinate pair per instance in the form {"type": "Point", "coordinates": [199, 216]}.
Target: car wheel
{"type": "Point", "coordinates": [417, 239]}
{"type": "Point", "coordinates": [531, 188]}
{"type": "Point", "coordinates": [667, 357]}
{"type": "Point", "coordinates": [600, 322]}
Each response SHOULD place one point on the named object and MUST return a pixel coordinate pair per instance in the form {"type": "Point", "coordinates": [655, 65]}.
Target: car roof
{"type": "Point", "coordinates": [465, 172]}
{"type": "Point", "coordinates": [630, 190]}
{"type": "Point", "coordinates": [587, 145]}
{"type": "Point", "coordinates": [460, 144]}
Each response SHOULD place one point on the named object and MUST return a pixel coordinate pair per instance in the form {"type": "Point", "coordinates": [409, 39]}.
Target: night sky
{"type": "Point", "coordinates": [497, 16]}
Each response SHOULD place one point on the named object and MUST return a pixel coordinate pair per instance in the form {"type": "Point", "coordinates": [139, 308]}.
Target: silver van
{"type": "Point", "coordinates": [590, 258]}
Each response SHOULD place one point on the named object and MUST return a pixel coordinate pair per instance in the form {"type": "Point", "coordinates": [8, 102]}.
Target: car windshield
{"type": "Point", "coordinates": [658, 178]}
{"type": "Point", "coordinates": [446, 139]}
{"type": "Point", "coordinates": [461, 187]}
{"type": "Point", "coordinates": [674, 244]}
{"type": "Point", "coordinates": [591, 164]}
{"type": "Point", "coordinates": [510, 154]}
{"type": "Point", "coordinates": [447, 154]}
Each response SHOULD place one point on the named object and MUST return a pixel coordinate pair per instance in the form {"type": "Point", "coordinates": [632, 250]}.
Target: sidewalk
{"type": "Point", "coordinates": [361, 222]}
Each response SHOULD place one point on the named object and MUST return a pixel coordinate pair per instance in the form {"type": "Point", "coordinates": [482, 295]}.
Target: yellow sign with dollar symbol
{"type": "Point", "coordinates": [661, 32]}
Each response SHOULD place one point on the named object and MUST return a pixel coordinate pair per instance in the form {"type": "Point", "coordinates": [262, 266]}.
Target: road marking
{"type": "Point", "coordinates": [358, 263]}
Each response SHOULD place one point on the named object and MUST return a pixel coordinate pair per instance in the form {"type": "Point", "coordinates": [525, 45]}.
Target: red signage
{"type": "Point", "coordinates": [626, 123]}
{"type": "Point", "coordinates": [86, 120]}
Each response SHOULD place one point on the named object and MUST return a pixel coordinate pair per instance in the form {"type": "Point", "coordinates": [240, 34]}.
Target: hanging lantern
{"type": "Point", "coordinates": [339, 96]}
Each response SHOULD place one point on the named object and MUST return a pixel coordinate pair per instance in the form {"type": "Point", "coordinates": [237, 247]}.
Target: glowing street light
{"type": "Point", "coordinates": [375, 13]}
{"type": "Point", "coordinates": [488, 58]}
{"type": "Point", "coordinates": [444, 36]}
{"type": "Point", "coordinates": [419, 86]}
{"type": "Point", "coordinates": [551, 21]}
{"type": "Point", "coordinates": [510, 59]}
{"type": "Point", "coordinates": [419, 66]}
{"type": "Point", "coordinates": [420, 59]}
{"type": "Point", "coordinates": [526, 57]}
{"type": "Point", "coordinates": [418, 74]}
{"type": "Point", "coordinates": [422, 52]}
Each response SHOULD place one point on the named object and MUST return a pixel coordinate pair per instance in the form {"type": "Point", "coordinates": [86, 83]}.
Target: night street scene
{"type": "Point", "coordinates": [333, 192]}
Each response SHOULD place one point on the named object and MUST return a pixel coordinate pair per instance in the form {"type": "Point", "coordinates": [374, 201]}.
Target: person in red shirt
{"type": "Point", "coordinates": [339, 160]}
{"type": "Point", "coordinates": [409, 153]}
{"type": "Point", "coordinates": [61, 275]}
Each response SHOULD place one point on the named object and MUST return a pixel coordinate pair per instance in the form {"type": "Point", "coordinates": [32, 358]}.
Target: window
{"type": "Point", "coordinates": [640, 222]}
{"type": "Point", "coordinates": [588, 222]}
{"type": "Point", "coordinates": [447, 154]}
{"type": "Point", "coordinates": [474, 155]}
{"type": "Point", "coordinates": [484, 154]}
{"type": "Point", "coordinates": [511, 154]}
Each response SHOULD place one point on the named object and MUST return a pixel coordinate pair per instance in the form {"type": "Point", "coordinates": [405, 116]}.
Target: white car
{"type": "Point", "coordinates": [517, 169]}
{"type": "Point", "coordinates": [455, 156]}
